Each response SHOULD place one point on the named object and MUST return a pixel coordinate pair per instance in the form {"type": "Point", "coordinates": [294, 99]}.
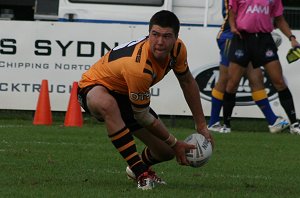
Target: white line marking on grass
{"type": "Point", "coordinates": [54, 143]}
{"type": "Point", "coordinates": [237, 176]}
{"type": "Point", "coordinates": [12, 126]}
{"type": "Point", "coordinates": [112, 171]}
{"type": "Point", "coordinates": [50, 143]}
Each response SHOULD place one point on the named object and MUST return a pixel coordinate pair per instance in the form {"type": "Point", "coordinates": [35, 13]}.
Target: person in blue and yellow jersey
{"type": "Point", "coordinates": [255, 77]}
{"type": "Point", "coordinates": [116, 89]}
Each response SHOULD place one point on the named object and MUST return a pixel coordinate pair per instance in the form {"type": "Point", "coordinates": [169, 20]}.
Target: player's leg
{"type": "Point", "coordinates": [269, 58]}
{"type": "Point", "coordinates": [217, 99]}
{"type": "Point", "coordinates": [239, 59]}
{"type": "Point", "coordinates": [285, 96]}
{"type": "Point", "coordinates": [155, 151]}
{"type": "Point", "coordinates": [259, 95]}
{"type": "Point", "coordinates": [235, 73]}
{"type": "Point", "coordinates": [217, 93]}
{"type": "Point", "coordinates": [102, 104]}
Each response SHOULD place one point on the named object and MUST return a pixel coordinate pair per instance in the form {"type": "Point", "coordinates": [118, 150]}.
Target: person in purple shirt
{"type": "Point", "coordinates": [252, 22]}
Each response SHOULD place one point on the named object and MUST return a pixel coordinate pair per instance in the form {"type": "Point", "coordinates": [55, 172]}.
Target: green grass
{"type": "Point", "coordinates": [56, 161]}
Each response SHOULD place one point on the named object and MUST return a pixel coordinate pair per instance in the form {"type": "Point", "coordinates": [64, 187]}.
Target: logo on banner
{"type": "Point", "coordinates": [207, 76]}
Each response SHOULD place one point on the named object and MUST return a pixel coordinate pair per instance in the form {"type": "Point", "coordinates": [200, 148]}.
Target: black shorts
{"type": "Point", "coordinates": [257, 48]}
{"type": "Point", "coordinates": [123, 103]}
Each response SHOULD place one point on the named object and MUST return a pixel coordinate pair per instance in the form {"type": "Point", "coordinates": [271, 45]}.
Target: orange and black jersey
{"type": "Point", "coordinates": [131, 69]}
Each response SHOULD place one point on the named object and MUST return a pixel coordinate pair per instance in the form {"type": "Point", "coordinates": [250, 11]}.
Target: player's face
{"type": "Point", "coordinates": [162, 41]}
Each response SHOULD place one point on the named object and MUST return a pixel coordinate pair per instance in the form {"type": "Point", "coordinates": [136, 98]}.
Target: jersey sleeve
{"type": "Point", "coordinates": [180, 53]}
{"type": "Point", "coordinates": [277, 9]}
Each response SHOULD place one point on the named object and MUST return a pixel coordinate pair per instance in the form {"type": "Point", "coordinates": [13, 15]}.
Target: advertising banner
{"type": "Point", "coordinates": [61, 52]}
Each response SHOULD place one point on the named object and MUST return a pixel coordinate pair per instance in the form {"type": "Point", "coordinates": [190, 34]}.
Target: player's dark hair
{"type": "Point", "coordinates": [165, 18]}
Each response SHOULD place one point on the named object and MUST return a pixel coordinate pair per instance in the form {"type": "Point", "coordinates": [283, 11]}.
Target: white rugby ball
{"type": "Point", "coordinates": [199, 156]}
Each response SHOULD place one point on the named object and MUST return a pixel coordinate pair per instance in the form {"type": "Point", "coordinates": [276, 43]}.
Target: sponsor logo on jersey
{"type": "Point", "coordinates": [258, 9]}
{"type": "Point", "coordinates": [207, 76]}
{"type": "Point", "coordinates": [140, 96]}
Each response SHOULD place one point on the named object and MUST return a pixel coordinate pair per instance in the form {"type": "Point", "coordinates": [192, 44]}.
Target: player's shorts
{"type": "Point", "coordinates": [224, 40]}
{"type": "Point", "coordinates": [123, 103]}
{"type": "Point", "coordinates": [257, 48]}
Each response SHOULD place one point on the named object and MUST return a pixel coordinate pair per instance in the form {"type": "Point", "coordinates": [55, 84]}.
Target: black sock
{"type": "Point", "coordinates": [287, 102]}
{"type": "Point", "coordinates": [124, 142]}
{"type": "Point", "coordinates": [148, 158]}
{"type": "Point", "coordinates": [228, 105]}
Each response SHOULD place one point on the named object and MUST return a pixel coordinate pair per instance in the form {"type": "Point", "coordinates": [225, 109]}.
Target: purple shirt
{"type": "Point", "coordinates": [256, 15]}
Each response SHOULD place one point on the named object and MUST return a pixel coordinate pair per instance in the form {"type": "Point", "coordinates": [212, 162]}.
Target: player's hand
{"type": "Point", "coordinates": [180, 149]}
{"type": "Point", "coordinates": [235, 31]}
{"type": "Point", "coordinates": [295, 43]}
{"type": "Point", "coordinates": [205, 132]}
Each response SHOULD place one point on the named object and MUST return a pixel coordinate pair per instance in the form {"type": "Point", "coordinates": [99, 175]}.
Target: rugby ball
{"type": "Point", "coordinates": [199, 156]}
{"type": "Point", "coordinates": [277, 38]}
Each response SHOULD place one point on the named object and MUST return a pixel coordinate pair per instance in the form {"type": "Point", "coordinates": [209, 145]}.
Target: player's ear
{"type": "Point", "coordinates": [176, 36]}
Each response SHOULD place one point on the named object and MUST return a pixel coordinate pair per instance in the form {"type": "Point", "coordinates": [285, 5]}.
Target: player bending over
{"type": "Point", "coordinates": [116, 89]}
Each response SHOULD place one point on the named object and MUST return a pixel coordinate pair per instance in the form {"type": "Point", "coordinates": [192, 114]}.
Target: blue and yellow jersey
{"type": "Point", "coordinates": [224, 35]}
{"type": "Point", "coordinates": [225, 27]}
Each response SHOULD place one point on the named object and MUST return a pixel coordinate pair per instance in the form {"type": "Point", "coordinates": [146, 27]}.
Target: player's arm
{"type": "Point", "coordinates": [157, 128]}
{"type": "Point", "coordinates": [285, 29]}
{"type": "Point", "coordinates": [139, 95]}
{"type": "Point", "coordinates": [138, 86]}
{"type": "Point", "coordinates": [192, 96]}
{"type": "Point", "coordinates": [153, 124]}
{"type": "Point", "coordinates": [232, 22]}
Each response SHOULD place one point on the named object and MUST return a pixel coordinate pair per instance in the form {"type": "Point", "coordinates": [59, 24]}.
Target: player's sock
{"type": "Point", "coordinates": [148, 158]}
{"type": "Point", "coordinates": [216, 105]}
{"type": "Point", "coordinates": [287, 102]}
{"type": "Point", "coordinates": [124, 142]}
{"type": "Point", "coordinates": [261, 99]}
{"type": "Point", "coordinates": [228, 105]}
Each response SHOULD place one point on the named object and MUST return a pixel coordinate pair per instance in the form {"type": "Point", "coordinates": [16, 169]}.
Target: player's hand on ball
{"type": "Point", "coordinates": [205, 132]}
{"type": "Point", "coordinates": [180, 150]}
{"type": "Point", "coordinates": [210, 138]}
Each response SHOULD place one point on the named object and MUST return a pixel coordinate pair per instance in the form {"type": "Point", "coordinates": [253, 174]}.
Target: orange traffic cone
{"type": "Point", "coordinates": [43, 115]}
{"type": "Point", "coordinates": [74, 115]}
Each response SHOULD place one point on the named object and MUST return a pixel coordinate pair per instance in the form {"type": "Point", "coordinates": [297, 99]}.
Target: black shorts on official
{"type": "Point", "coordinates": [257, 48]}
{"type": "Point", "coordinates": [123, 103]}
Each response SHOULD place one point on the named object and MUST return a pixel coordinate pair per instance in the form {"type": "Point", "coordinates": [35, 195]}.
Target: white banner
{"type": "Point", "coordinates": [61, 52]}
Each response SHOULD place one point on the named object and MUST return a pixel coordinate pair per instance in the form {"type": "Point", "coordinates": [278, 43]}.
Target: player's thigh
{"type": "Point", "coordinates": [159, 149]}
{"type": "Point", "coordinates": [274, 70]}
{"type": "Point", "coordinates": [235, 73]}
{"type": "Point", "coordinates": [255, 77]}
{"type": "Point", "coordinates": [99, 100]}
{"type": "Point", "coordinates": [102, 104]}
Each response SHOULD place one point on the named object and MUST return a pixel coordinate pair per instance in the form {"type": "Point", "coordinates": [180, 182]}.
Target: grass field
{"type": "Point", "coordinates": [55, 161]}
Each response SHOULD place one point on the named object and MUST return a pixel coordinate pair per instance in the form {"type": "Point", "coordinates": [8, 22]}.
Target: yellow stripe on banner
{"type": "Point", "coordinates": [259, 95]}
{"type": "Point", "coordinates": [217, 94]}
{"type": "Point", "coordinates": [120, 135]}
{"type": "Point", "coordinates": [131, 156]}
{"type": "Point", "coordinates": [126, 146]}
